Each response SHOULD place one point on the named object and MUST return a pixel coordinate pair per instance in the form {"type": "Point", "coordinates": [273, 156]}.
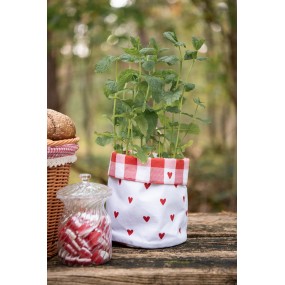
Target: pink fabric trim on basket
{"type": "Point", "coordinates": [156, 170]}
{"type": "Point", "coordinates": [60, 151]}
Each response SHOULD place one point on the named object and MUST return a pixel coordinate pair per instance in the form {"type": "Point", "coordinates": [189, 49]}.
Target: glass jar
{"type": "Point", "coordinates": [85, 235]}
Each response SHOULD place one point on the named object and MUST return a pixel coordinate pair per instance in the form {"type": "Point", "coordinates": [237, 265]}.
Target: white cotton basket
{"type": "Point", "coordinates": [149, 205]}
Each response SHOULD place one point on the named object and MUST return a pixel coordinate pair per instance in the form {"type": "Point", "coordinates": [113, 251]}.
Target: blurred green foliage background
{"type": "Point", "coordinates": [80, 32]}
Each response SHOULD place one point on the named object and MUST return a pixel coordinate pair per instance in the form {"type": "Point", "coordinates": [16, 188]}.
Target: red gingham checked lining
{"type": "Point", "coordinates": [156, 170]}
{"type": "Point", "coordinates": [60, 151]}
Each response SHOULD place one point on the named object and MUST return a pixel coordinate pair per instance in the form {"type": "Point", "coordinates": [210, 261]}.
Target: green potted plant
{"type": "Point", "coordinates": [148, 171]}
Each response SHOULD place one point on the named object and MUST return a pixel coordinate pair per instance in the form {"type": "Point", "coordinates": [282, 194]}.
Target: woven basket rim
{"type": "Point", "coordinates": [62, 142]}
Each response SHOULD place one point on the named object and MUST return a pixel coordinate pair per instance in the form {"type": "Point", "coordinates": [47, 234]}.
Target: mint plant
{"type": "Point", "coordinates": [148, 98]}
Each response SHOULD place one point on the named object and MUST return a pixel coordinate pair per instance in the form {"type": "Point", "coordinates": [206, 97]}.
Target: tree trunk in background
{"type": "Point", "coordinates": [232, 67]}
{"type": "Point", "coordinates": [53, 101]}
{"type": "Point", "coordinates": [208, 12]}
{"type": "Point", "coordinates": [66, 79]}
{"type": "Point", "coordinates": [225, 124]}
{"type": "Point", "coordinates": [232, 38]}
{"type": "Point", "coordinates": [142, 35]}
{"type": "Point", "coordinates": [87, 90]}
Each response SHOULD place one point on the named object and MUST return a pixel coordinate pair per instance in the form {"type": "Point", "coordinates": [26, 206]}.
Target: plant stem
{"type": "Point", "coordinates": [114, 123]}
{"type": "Point", "coordinates": [114, 111]}
{"type": "Point", "coordinates": [164, 129]}
{"type": "Point", "coordinates": [180, 67]}
{"type": "Point", "coordinates": [180, 111]}
{"type": "Point", "coordinates": [194, 117]}
{"type": "Point", "coordinates": [188, 74]}
{"type": "Point", "coordinates": [171, 135]}
{"type": "Point", "coordinates": [140, 70]}
{"type": "Point", "coordinates": [179, 123]}
{"type": "Point", "coordinates": [145, 99]}
{"type": "Point", "coordinates": [128, 138]}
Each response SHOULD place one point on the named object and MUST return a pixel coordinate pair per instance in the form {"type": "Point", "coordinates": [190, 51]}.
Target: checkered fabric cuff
{"type": "Point", "coordinates": [61, 151]}
{"type": "Point", "coordinates": [156, 170]}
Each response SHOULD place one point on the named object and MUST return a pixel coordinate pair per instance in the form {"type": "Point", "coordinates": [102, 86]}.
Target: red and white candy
{"type": "Point", "coordinates": [85, 239]}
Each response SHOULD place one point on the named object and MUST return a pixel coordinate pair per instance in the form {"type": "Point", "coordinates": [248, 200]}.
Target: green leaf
{"type": "Point", "coordinates": [148, 51]}
{"type": "Point", "coordinates": [142, 124]}
{"type": "Point", "coordinates": [126, 76]}
{"type": "Point", "coordinates": [197, 43]}
{"type": "Point", "coordinates": [152, 43]}
{"type": "Point", "coordinates": [118, 148]}
{"type": "Point", "coordinates": [141, 90]}
{"type": "Point", "coordinates": [198, 102]}
{"type": "Point", "coordinates": [179, 154]}
{"type": "Point", "coordinates": [132, 51]}
{"type": "Point", "coordinates": [188, 144]}
{"type": "Point", "coordinates": [190, 55]}
{"type": "Point", "coordinates": [189, 87]}
{"type": "Point", "coordinates": [168, 74]}
{"type": "Point", "coordinates": [170, 137]}
{"type": "Point", "coordinates": [165, 155]}
{"type": "Point", "coordinates": [170, 78]}
{"type": "Point", "coordinates": [162, 50]}
{"type": "Point", "coordinates": [170, 60]}
{"type": "Point", "coordinates": [128, 103]}
{"type": "Point", "coordinates": [172, 109]}
{"type": "Point", "coordinates": [128, 58]}
{"type": "Point", "coordinates": [155, 87]}
{"type": "Point", "coordinates": [152, 119]}
{"type": "Point", "coordinates": [139, 153]}
{"type": "Point", "coordinates": [171, 36]}
{"type": "Point", "coordinates": [110, 87]}
{"type": "Point", "coordinates": [104, 139]}
{"type": "Point", "coordinates": [136, 43]}
{"type": "Point", "coordinates": [122, 107]}
{"type": "Point", "coordinates": [171, 96]}
{"type": "Point", "coordinates": [104, 64]}
{"type": "Point", "coordinates": [148, 65]}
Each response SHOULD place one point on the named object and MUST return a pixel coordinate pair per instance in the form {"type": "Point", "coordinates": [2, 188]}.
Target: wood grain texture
{"type": "Point", "coordinates": [207, 257]}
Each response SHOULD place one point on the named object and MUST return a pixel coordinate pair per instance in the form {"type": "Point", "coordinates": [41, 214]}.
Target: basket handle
{"type": "Point", "coordinates": [62, 142]}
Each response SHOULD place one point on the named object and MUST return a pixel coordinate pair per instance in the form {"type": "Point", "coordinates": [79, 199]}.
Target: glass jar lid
{"type": "Point", "coordinates": [84, 190]}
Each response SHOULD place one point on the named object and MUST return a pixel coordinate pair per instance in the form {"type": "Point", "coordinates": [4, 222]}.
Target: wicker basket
{"type": "Point", "coordinates": [57, 177]}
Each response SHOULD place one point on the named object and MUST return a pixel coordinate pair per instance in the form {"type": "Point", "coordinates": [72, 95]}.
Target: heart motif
{"type": "Point", "coordinates": [130, 199]}
{"type": "Point", "coordinates": [162, 201]}
{"type": "Point", "coordinates": [146, 218]}
{"type": "Point", "coordinates": [175, 185]}
{"type": "Point", "coordinates": [146, 185]}
{"type": "Point", "coordinates": [179, 230]}
{"type": "Point", "coordinates": [130, 232]}
{"type": "Point", "coordinates": [169, 174]}
{"type": "Point", "coordinates": [161, 235]}
{"type": "Point", "coordinates": [120, 181]}
{"type": "Point", "coordinates": [116, 214]}
{"type": "Point", "coordinates": [183, 198]}
{"type": "Point", "coordinates": [172, 217]}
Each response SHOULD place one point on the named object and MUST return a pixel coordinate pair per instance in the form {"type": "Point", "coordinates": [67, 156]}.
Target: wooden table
{"type": "Point", "coordinates": [207, 257]}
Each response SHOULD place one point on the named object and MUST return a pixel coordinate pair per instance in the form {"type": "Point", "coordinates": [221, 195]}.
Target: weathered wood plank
{"type": "Point", "coordinates": [145, 276]}
{"type": "Point", "coordinates": [207, 257]}
{"type": "Point", "coordinates": [212, 224]}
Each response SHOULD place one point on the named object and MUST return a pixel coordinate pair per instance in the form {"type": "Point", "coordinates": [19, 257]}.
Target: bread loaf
{"type": "Point", "coordinates": [59, 126]}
